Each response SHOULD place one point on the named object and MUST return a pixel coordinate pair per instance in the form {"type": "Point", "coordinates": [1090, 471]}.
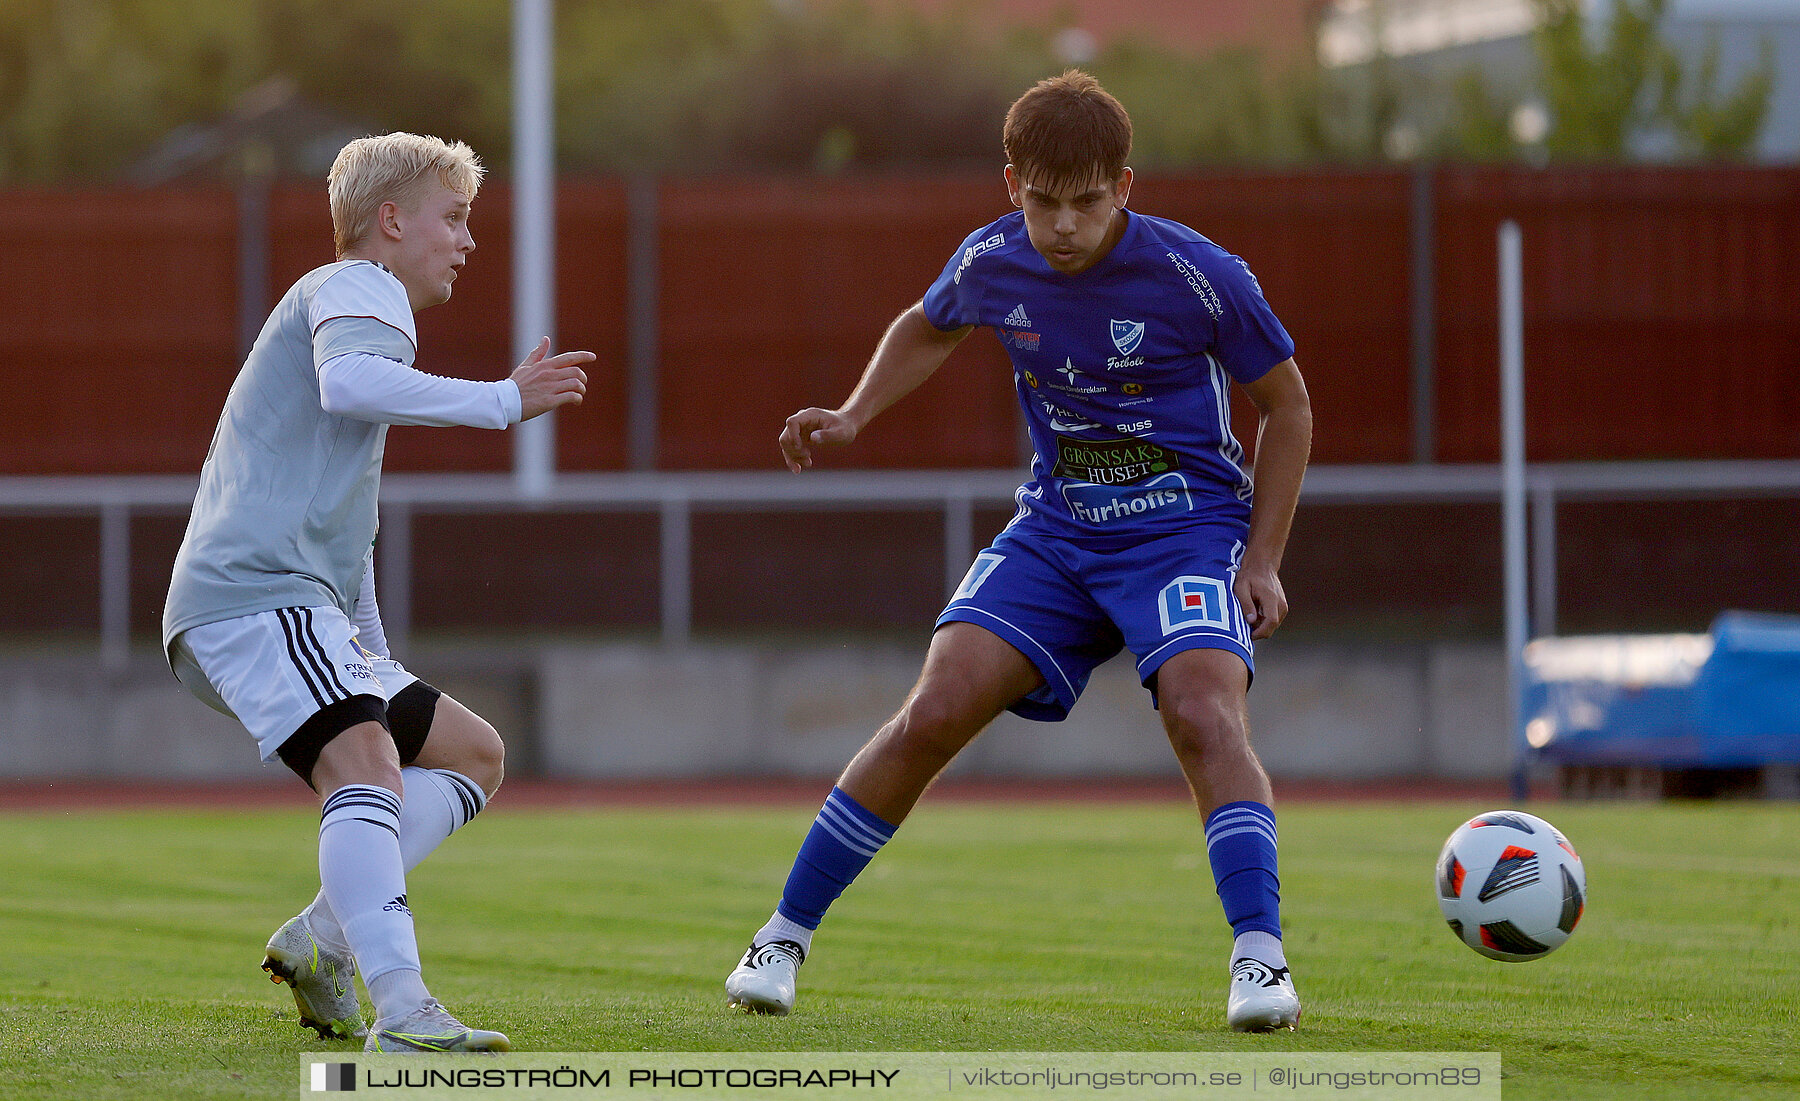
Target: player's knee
{"type": "Point", "coordinates": [486, 757]}
{"type": "Point", "coordinates": [1205, 725]}
{"type": "Point", "coordinates": [929, 727]}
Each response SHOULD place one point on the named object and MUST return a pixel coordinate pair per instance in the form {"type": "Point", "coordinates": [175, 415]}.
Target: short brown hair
{"type": "Point", "coordinates": [397, 167]}
{"type": "Point", "coordinates": [1067, 131]}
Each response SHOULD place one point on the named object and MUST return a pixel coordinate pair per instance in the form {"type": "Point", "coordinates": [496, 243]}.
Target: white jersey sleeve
{"type": "Point", "coordinates": [362, 291]}
{"type": "Point", "coordinates": [371, 387]}
{"type": "Point", "coordinates": [364, 344]}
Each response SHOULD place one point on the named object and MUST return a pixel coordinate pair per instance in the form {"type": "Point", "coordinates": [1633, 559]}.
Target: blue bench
{"type": "Point", "coordinates": [1725, 700]}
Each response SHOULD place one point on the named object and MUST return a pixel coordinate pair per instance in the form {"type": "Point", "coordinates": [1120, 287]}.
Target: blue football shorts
{"type": "Point", "coordinates": [1068, 608]}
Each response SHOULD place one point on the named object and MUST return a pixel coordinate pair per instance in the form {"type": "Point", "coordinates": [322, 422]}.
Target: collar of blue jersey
{"type": "Point", "coordinates": [1126, 237]}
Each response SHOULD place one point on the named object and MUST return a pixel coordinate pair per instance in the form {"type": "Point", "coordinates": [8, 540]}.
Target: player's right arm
{"type": "Point", "coordinates": [910, 350]}
{"type": "Point", "coordinates": [372, 387]}
{"type": "Point", "coordinates": [546, 381]}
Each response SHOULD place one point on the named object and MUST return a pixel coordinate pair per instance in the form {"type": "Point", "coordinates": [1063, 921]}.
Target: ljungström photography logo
{"type": "Point", "coordinates": [331, 1077]}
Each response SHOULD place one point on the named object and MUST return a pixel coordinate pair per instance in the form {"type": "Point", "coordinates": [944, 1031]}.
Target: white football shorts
{"type": "Point", "coordinates": [272, 671]}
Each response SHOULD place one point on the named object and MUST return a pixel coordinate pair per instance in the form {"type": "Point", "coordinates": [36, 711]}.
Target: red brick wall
{"type": "Point", "coordinates": [1660, 319]}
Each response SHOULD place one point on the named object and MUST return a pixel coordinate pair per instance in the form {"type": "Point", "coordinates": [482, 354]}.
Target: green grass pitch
{"type": "Point", "coordinates": [129, 942]}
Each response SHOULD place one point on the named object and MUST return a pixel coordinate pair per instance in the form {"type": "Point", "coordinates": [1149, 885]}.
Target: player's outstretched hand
{"type": "Point", "coordinates": [1263, 600]}
{"type": "Point", "coordinates": [546, 381]}
{"type": "Point", "coordinates": [810, 428]}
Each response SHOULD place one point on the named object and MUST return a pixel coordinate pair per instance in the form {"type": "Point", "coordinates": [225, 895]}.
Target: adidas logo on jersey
{"type": "Point", "coordinates": [1017, 318]}
{"type": "Point", "coordinates": [399, 904]}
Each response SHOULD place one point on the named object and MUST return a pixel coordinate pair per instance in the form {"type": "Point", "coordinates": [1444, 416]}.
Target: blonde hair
{"type": "Point", "coordinates": [397, 167]}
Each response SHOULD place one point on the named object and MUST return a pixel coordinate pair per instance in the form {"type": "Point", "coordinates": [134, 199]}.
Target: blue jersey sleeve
{"type": "Point", "coordinates": [1248, 338]}
{"type": "Point", "coordinates": [954, 299]}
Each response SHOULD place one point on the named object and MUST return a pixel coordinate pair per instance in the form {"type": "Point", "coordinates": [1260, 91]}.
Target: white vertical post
{"type": "Point", "coordinates": [1512, 483]}
{"type": "Point", "coordinates": [534, 220]}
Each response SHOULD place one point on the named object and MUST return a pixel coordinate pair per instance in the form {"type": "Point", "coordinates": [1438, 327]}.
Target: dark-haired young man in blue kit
{"type": "Point", "coordinates": [1138, 529]}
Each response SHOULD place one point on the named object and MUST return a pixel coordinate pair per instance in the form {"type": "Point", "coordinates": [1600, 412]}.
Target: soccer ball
{"type": "Point", "coordinates": [1510, 885]}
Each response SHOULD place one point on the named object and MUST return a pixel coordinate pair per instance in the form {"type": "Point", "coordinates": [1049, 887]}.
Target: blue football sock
{"type": "Point", "coordinates": [842, 841]}
{"type": "Point", "coordinates": [1240, 842]}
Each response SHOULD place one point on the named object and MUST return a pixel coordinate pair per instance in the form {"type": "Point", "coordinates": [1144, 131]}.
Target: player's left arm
{"type": "Point", "coordinates": [1283, 445]}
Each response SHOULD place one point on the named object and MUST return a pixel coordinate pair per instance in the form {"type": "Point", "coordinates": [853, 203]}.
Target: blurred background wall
{"type": "Point", "coordinates": [748, 197]}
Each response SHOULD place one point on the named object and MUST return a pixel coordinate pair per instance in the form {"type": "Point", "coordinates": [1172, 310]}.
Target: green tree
{"type": "Point", "coordinates": [1715, 125]}
{"type": "Point", "coordinates": [835, 86]}
{"type": "Point", "coordinates": [1226, 107]}
{"type": "Point", "coordinates": [1603, 91]}
{"type": "Point", "coordinates": [1480, 127]}
{"type": "Point", "coordinates": [1599, 94]}
{"type": "Point", "coordinates": [85, 84]}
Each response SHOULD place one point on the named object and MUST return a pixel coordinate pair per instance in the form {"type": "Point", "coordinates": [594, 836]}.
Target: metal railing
{"type": "Point", "coordinates": [675, 497]}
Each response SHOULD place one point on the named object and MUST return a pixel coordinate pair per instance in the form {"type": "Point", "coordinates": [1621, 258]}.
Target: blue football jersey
{"type": "Point", "coordinates": [1124, 372]}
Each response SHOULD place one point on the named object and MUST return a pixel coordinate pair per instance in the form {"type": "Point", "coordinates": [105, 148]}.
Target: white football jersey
{"type": "Point", "coordinates": [286, 510]}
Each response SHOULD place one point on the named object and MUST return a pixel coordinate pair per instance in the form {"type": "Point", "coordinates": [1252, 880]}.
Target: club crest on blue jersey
{"type": "Point", "coordinates": [1194, 602]}
{"type": "Point", "coordinates": [1127, 335]}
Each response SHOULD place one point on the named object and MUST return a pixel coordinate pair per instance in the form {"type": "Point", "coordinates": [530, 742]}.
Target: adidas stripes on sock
{"type": "Point", "coordinates": [1240, 844]}
{"type": "Point", "coordinates": [438, 803]}
{"type": "Point", "coordinates": [363, 879]}
{"type": "Point", "coordinates": [843, 839]}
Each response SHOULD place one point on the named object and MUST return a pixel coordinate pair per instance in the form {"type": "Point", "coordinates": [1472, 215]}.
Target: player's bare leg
{"type": "Point", "coordinates": [970, 676]}
{"type": "Point", "coordinates": [1202, 700]}
{"type": "Point", "coordinates": [465, 743]}
{"type": "Point", "coordinates": [1201, 694]}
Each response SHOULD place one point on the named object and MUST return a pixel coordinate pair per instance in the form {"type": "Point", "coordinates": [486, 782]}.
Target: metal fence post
{"type": "Point", "coordinates": [959, 540]}
{"type": "Point", "coordinates": [115, 585]}
{"type": "Point", "coordinates": [1512, 489]}
{"type": "Point", "coordinates": [677, 569]}
{"type": "Point", "coordinates": [642, 305]}
{"type": "Point", "coordinates": [1423, 224]}
{"type": "Point", "coordinates": [1543, 558]}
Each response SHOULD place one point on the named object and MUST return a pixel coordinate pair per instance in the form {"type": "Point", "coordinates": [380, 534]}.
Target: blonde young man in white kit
{"type": "Point", "coordinates": [271, 615]}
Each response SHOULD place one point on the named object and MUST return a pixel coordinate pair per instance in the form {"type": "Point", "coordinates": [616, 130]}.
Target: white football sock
{"type": "Point", "coordinates": [401, 987]}
{"type": "Point", "coordinates": [438, 803]}
{"type": "Point", "coordinates": [360, 869]}
{"type": "Point", "coordinates": [780, 928]}
{"type": "Point", "coordinates": [1262, 947]}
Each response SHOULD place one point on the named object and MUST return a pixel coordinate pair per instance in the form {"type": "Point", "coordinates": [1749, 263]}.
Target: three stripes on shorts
{"type": "Point", "coordinates": [309, 657]}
